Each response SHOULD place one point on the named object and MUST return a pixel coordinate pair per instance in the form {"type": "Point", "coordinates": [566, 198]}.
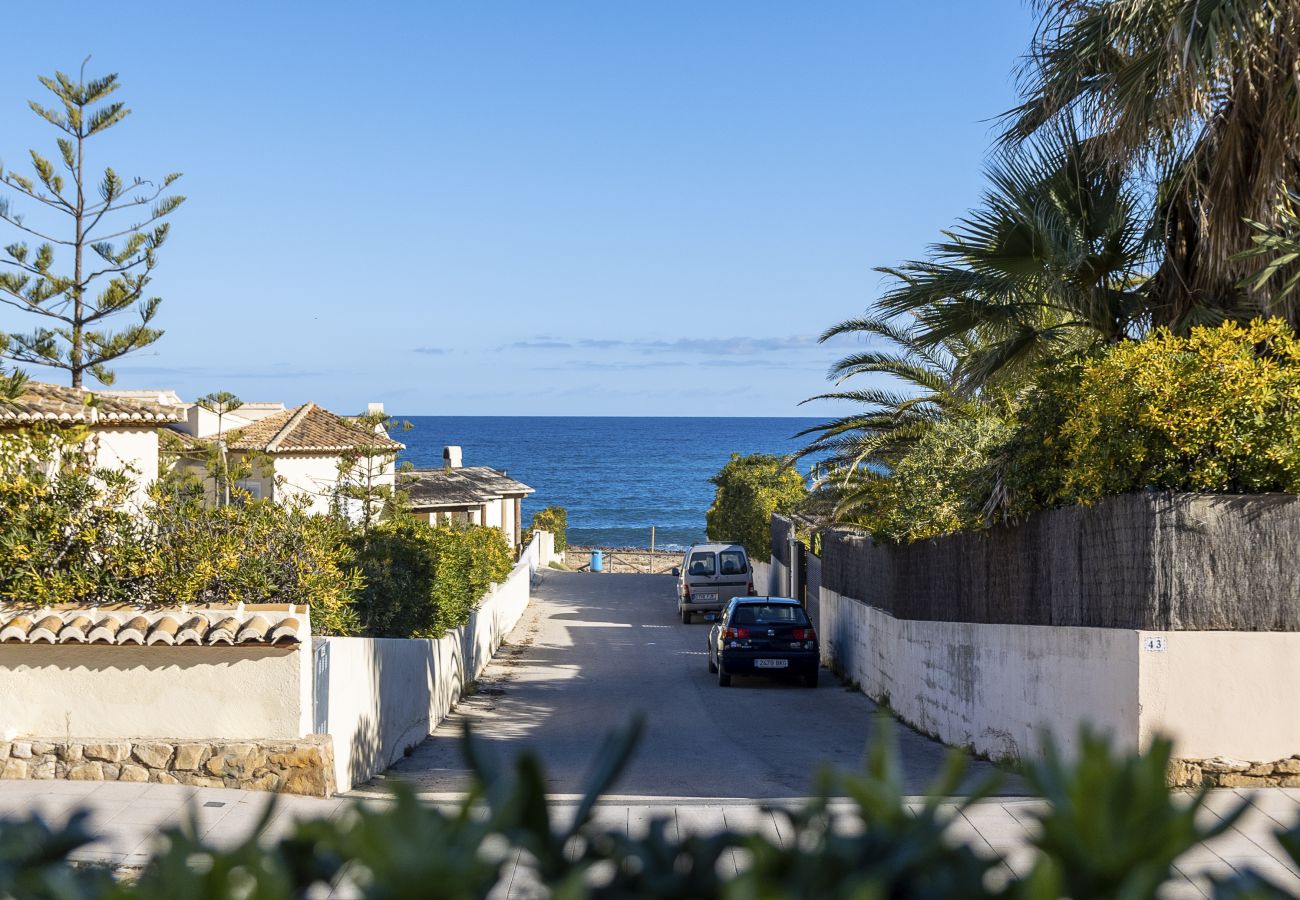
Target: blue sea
{"type": "Point", "coordinates": [616, 476]}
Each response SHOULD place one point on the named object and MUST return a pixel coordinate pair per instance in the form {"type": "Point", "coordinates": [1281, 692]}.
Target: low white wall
{"type": "Point", "coordinates": [996, 688]}
{"type": "Point", "coordinates": [378, 697]}
{"type": "Point", "coordinates": [1223, 693]}
{"type": "Point", "coordinates": [132, 691]}
{"type": "Point", "coordinates": [992, 688]}
{"type": "Point", "coordinates": [762, 577]}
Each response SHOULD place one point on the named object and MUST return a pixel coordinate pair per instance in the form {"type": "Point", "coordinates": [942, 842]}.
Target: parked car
{"type": "Point", "coordinates": [709, 576]}
{"type": "Point", "coordinates": [764, 636]}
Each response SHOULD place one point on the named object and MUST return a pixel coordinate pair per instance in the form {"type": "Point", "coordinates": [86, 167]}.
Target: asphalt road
{"type": "Point", "coordinates": [593, 650]}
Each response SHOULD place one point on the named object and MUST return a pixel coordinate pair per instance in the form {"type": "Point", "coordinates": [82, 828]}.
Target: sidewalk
{"type": "Point", "coordinates": [128, 818]}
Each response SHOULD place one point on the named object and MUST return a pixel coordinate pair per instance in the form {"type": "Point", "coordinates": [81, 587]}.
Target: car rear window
{"type": "Point", "coordinates": [733, 562]}
{"type": "Point", "coordinates": [774, 614]}
{"type": "Point", "coordinates": [702, 564]}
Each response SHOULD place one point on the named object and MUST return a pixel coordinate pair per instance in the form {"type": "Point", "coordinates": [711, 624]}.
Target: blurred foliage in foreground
{"type": "Point", "coordinates": [1110, 828]}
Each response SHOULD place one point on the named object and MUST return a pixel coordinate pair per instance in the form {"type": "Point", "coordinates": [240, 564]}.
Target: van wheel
{"type": "Point", "coordinates": [724, 680]}
{"type": "Point", "coordinates": [686, 617]}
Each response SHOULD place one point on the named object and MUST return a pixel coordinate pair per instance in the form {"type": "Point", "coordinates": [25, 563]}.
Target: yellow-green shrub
{"type": "Point", "coordinates": [68, 533]}
{"type": "Point", "coordinates": [1217, 410]}
{"type": "Point", "coordinates": [554, 519]}
{"type": "Point", "coordinates": [253, 551]}
{"type": "Point", "coordinates": [750, 489]}
{"type": "Point", "coordinates": [933, 489]}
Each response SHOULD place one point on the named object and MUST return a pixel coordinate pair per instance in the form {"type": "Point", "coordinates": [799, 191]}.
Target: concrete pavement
{"type": "Point", "coordinates": [592, 650]}
{"type": "Point", "coordinates": [129, 818]}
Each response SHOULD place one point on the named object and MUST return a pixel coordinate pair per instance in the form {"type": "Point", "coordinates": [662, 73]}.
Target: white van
{"type": "Point", "coordinates": [709, 576]}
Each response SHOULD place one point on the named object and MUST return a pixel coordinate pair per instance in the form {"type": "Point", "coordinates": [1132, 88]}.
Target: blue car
{"type": "Point", "coordinates": [764, 636]}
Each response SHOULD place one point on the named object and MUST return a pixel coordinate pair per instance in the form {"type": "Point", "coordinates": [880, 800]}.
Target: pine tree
{"type": "Point", "coordinates": [111, 263]}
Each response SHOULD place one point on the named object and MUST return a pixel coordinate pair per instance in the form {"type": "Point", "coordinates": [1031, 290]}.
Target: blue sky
{"type": "Point", "coordinates": [511, 208]}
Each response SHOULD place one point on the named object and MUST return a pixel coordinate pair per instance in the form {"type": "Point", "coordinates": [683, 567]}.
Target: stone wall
{"type": "Point", "coordinates": [1221, 771]}
{"type": "Point", "coordinates": [303, 766]}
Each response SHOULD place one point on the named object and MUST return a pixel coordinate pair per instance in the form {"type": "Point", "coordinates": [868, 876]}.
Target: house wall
{"type": "Point", "coordinates": [129, 448]}
{"type": "Point", "coordinates": [110, 691]}
{"type": "Point", "coordinates": [378, 697]}
{"type": "Point", "coordinates": [202, 423]}
{"type": "Point", "coordinates": [312, 477]}
{"type": "Point", "coordinates": [316, 477]}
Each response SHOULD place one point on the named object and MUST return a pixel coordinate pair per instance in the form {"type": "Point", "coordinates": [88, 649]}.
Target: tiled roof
{"type": "Point", "coordinates": [41, 402]}
{"type": "Point", "coordinates": [458, 488]}
{"type": "Point", "coordinates": [308, 428]}
{"type": "Point", "coordinates": [277, 624]}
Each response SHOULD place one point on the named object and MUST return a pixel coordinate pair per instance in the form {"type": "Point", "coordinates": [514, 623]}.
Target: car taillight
{"type": "Point", "coordinates": [686, 592]}
{"type": "Point", "coordinates": [736, 634]}
{"type": "Point", "coordinates": [805, 634]}
{"type": "Point", "coordinates": [751, 591]}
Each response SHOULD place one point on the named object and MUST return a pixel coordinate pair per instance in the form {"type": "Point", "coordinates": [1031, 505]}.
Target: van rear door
{"type": "Point", "coordinates": [732, 579]}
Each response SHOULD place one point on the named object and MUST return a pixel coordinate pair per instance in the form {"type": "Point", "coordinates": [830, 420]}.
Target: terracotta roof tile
{"type": "Point", "coordinates": [278, 624]}
{"type": "Point", "coordinates": [308, 428]}
{"type": "Point", "coordinates": [41, 402]}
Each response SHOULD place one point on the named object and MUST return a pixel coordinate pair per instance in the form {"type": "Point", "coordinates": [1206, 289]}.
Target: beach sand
{"type": "Point", "coordinates": [624, 559]}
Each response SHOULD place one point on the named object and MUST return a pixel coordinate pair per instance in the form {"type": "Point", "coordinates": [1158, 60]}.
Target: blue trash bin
{"type": "Point", "coordinates": [597, 561]}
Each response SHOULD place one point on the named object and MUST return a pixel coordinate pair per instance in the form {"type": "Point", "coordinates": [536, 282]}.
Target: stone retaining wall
{"type": "Point", "coordinates": [1220, 771]}
{"type": "Point", "coordinates": [304, 766]}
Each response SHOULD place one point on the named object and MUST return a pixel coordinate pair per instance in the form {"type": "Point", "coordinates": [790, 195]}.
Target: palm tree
{"type": "Point", "coordinates": [857, 448]}
{"type": "Point", "coordinates": [1053, 261]}
{"type": "Point", "coordinates": [1202, 97]}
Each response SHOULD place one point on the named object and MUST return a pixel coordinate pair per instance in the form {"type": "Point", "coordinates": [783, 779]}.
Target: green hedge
{"type": "Point", "coordinates": [554, 519]}
{"type": "Point", "coordinates": [422, 581]}
{"type": "Point", "coordinates": [1110, 828]}
{"type": "Point", "coordinates": [749, 490]}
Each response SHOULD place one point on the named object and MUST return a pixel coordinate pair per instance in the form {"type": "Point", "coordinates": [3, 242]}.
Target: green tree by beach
{"type": "Point", "coordinates": [89, 263]}
{"type": "Point", "coordinates": [750, 489]}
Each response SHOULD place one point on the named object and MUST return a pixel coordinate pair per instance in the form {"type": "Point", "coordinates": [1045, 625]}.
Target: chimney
{"type": "Point", "coordinates": [374, 409]}
{"type": "Point", "coordinates": [451, 457]}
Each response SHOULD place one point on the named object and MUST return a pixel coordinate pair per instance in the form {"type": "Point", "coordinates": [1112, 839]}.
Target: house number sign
{"type": "Point", "coordinates": [1155, 643]}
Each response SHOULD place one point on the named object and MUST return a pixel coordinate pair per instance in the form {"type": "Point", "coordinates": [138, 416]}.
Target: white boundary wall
{"type": "Point", "coordinates": [994, 688]}
{"type": "Point", "coordinates": [209, 693]}
{"type": "Point", "coordinates": [378, 697]}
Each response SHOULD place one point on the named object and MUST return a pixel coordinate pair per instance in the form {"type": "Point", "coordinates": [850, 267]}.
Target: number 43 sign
{"type": "Point", "coordinates": [1155, 643]}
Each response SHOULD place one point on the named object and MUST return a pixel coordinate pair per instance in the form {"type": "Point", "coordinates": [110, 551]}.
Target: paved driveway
{"type": "Point", "coordinates": [592, 650]}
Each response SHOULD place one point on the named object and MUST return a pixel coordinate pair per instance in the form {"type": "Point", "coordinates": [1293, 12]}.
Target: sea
{"type": "Point", "coordinates": [617, 477]}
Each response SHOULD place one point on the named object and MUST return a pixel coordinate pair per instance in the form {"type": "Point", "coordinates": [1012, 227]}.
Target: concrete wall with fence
{"type": "Point", "coordinates": [379, 697]}
{"type": "Point", "coordinates": [1145, 614]}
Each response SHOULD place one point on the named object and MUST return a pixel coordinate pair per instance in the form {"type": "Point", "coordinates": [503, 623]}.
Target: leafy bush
{"type": "Point", "coordinates": [67, 530]}
{"type": "Point", "coordinates": [421, 580]}
{"type": "Point", "coordinates": [554, 519]}
{"type": "Point", "coordinates": [253, 551]}
{"type": "Point", "coordinates": [1217, 410]}
{"type": "Point", "coordinates": [1110, 828]}
{"type": "Point", "coordinates": [935, 488]}
{"type": "Point", "coordinates": [750, 489]}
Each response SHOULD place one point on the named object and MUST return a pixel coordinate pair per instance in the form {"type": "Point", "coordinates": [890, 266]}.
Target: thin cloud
{"type": "Point", "coordinates": [541, 344]}
{"type": "Point", "coordinates": [431, 351]}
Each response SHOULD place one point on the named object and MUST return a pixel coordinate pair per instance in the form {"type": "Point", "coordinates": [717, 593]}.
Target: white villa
{"type": "Point", "coordinates": [123, 426]}
{"type": "Point", "coordinates": [300, 450]}
{"type": "Point", "coordinates": [473, 495]}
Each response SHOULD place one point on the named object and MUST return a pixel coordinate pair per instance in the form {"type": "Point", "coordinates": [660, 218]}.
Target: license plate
{"type": "Point", "coordinates": [771, 663]}
{"type": "Point", "coordinates": [705, 598]}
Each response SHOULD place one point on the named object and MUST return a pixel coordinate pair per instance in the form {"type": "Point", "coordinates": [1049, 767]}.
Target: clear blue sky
{"type": "Point", "coordinates": [530, 207]}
